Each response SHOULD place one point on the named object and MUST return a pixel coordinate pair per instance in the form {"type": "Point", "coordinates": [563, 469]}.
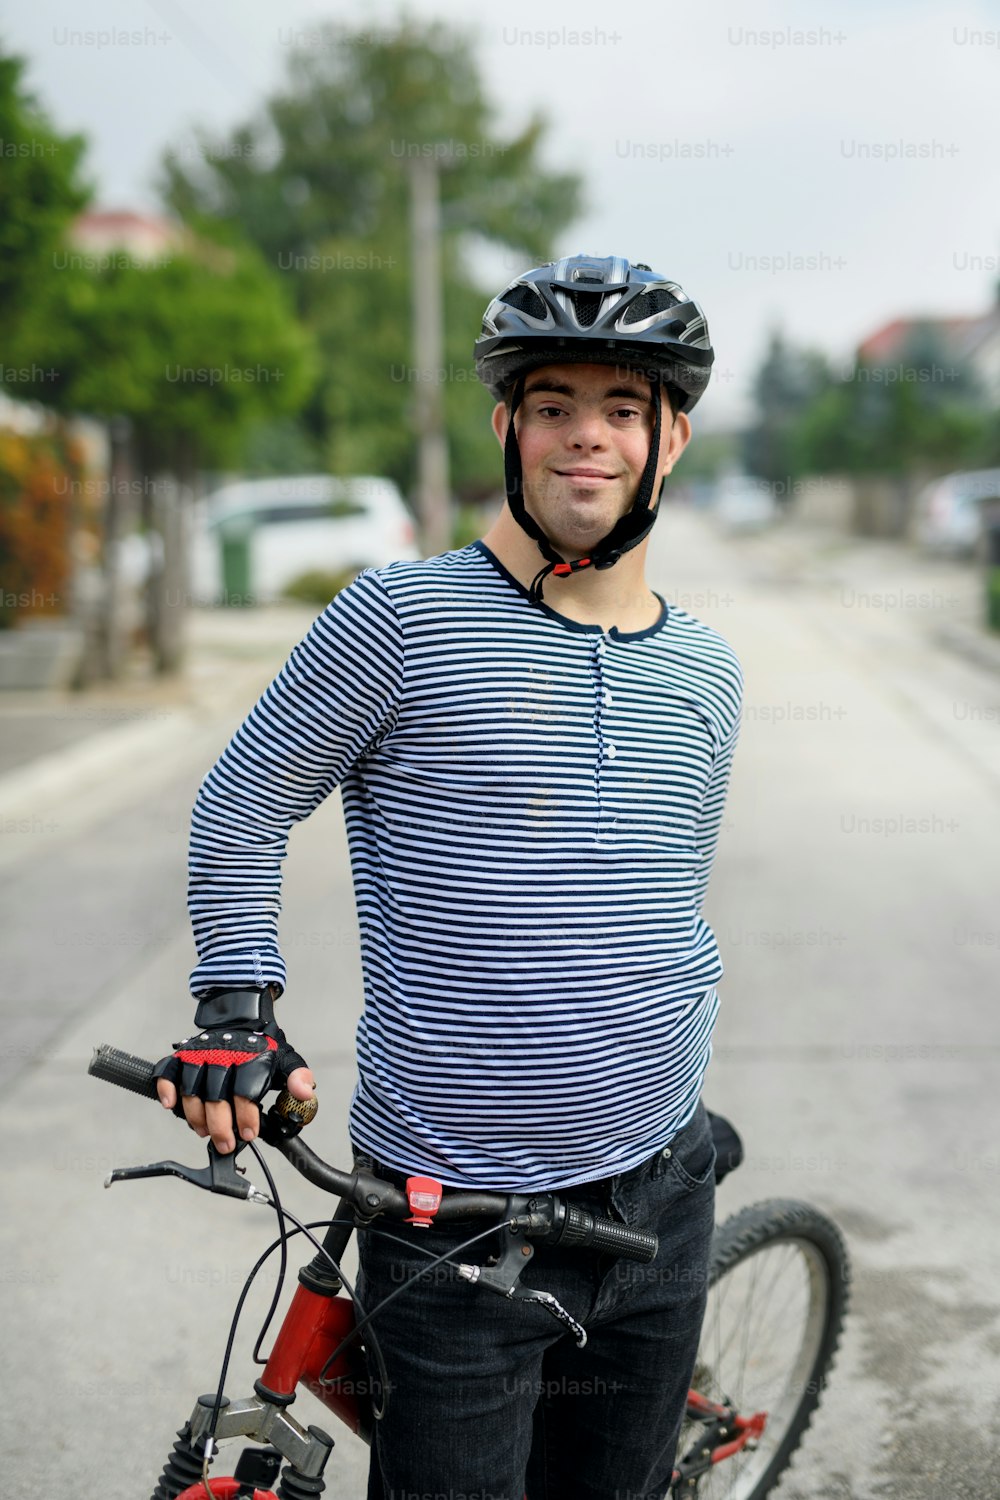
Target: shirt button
{"type": "Point", "coordinates": [666, 1153]}
{"type": "Point", "coordinates": [612, 751]}
{"type": "Point", "coordinates": [608, 700]}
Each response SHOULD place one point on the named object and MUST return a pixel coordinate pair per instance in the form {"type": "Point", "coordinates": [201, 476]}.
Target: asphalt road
{"type": "Point", "coordinates": [855, 898]}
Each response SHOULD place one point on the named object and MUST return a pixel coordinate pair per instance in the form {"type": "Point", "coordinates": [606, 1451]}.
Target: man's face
{"type": "Point", "coordinates": [584, 433]}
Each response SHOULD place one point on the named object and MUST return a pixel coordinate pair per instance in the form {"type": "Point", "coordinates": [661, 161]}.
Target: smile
{"type": "Point", "coordinates": [585, 474]}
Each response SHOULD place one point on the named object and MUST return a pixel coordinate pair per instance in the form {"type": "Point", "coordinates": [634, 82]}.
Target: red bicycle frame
{"type": "Point", "coordinates": [314, 1327]}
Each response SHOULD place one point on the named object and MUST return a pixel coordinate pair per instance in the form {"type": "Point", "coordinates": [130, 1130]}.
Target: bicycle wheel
{"type": "Point", "coordinates": [776, 1304]}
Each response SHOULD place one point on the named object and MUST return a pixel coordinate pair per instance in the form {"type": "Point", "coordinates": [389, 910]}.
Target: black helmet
{"type": "Point", "coordinates": [598, 310]}
{"type": "Point", "coordinates": [594, 310]}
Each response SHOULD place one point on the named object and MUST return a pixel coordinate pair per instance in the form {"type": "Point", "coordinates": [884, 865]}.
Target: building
{"type": "Point", "coordinates": [975, 341]}
{"type": "Point", "coordinates": [143, 237]}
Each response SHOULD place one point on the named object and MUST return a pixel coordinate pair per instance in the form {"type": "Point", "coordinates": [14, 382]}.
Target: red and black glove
{"type": "Point", "coordinates": [237, 1048]}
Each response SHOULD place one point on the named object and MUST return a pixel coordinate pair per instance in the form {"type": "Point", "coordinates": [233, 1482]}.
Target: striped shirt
{"type": "Point", "coordinates": [532, 809]}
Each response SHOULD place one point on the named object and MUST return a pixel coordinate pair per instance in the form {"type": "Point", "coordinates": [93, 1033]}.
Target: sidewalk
{"type": "Point", "coordinates": [226, 647]}
{"type": "Point", "coordinates": [68, 757]}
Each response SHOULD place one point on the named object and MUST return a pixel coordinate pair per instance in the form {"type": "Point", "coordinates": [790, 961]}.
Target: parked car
{"type": "Point", "coordinates": [948, 511]}
{"type": "Point", "coordinates": [743, 503]}
{"type": "Point", "coordinates": [259, 535]}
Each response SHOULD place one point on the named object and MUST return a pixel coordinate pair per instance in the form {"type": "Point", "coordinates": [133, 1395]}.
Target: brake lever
{"type": "Point", "coordinates": [504, 1276]}
{"type": "Point", "coordinates": [281, 1122]}
{"type": "Point", "coordinates": [555, 1307]}
{"type": "Point", "coordinates": [222, 1175]}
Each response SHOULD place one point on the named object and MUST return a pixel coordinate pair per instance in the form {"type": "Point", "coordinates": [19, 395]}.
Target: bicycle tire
{"type": "Point", "coordinates": [808, 1270]}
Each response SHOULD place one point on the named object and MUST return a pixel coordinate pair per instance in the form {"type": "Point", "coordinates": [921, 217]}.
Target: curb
{"type": "Point", "coordinates": [216, 685]}
{"type": "Point", "coordinates": [65, 792]}
{"type": "Point", "coordinates": [92, 760]}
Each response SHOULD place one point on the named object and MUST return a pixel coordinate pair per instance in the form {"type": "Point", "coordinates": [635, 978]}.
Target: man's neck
{"type": "Point", "coordinates": [618, 596]}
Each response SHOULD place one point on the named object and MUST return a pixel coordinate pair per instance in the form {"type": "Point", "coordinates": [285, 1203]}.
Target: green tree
{"type": "Point", "coordinates": [788, 383]}
{"type": "Point", "coordinates": [192, 353]}
{"type": "Point", "coordinates": [923, 412]}
{"type": "Point", "coordinates": [40, 192]}
{"type": "Point", "coordinates": [192, 350]}
{"type": "Point", "coordinates": [188, 355]}
{"type": "Point", "coordinates": [319, 181]}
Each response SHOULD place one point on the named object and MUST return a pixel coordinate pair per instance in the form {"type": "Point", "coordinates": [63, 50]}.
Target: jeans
{"type": "Point", "coordinates": [491, 1399]}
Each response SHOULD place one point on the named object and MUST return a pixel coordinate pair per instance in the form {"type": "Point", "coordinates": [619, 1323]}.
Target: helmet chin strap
{"type": "Point", "coordinates": [628, 531]}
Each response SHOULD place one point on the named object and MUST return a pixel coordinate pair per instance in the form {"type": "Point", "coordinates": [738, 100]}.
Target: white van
{"type": "Point", "coordinates": [298, 524]}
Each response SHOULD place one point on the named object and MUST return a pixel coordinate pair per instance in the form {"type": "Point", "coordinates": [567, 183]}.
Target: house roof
{"type": "Point", "coordinates": [958, 336]}
{"type": "Point", "coordinates": [121, 219]}
{"type": "Point", "coordinates": [142, 235]}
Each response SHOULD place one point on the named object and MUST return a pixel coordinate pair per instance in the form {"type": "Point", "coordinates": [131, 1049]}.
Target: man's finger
{"type": "Point", "coordinates": [166, 1093]}
{"type": "Point", "coordinates": [194, 1113]}
{"type": "Point", "coordinates": [301, 1083]}
{"type": "Point", "coordinates": [219, 1119]}
{"type": "Point", "coordinates": [247, 1118]}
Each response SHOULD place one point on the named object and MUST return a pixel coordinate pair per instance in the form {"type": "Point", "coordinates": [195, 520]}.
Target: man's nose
{"type": "Point", "coordinates": [587, 430]}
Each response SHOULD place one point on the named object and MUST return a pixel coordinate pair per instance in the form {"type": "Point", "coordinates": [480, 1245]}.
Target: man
{"type": "Point", "coordinates": [533, 764]}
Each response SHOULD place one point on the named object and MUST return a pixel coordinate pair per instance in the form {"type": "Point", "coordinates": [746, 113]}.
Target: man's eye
{"type": "Point", "coordinates": [629, 412]}
{"type": "Point", "coordinates": [549, 411]}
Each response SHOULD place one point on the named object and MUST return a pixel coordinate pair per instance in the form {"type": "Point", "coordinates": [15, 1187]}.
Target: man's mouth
{"type": "Point", "coordinates": [585, 474]}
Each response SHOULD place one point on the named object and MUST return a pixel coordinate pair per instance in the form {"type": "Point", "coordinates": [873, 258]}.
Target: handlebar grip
{"type": "Point", "coordinates": [136, 1074]}
{"type": "Point", "coordinates": [128, 1072]}
{"type": "Point", "coordinates": [581, 1228]}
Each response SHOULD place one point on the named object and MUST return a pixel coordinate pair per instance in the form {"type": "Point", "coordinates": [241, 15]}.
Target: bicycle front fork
{"type": "Point", "coordinates": [263, 1419]}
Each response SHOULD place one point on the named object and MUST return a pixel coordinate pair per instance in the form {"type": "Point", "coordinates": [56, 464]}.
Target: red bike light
{"type": "Point", "coordinates": [424, 1197]}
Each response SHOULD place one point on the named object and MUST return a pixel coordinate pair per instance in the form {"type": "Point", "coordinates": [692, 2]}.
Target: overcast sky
{"type": "Point", "coordinates": [718, 141]}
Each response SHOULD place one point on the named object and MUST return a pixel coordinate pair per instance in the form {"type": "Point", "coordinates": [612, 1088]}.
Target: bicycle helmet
{"type": "Point", "coordinates": [593, 310]}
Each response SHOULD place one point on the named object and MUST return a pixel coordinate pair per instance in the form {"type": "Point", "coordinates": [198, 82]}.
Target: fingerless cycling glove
{"type": "Point", "coordinates": [237, 1048]}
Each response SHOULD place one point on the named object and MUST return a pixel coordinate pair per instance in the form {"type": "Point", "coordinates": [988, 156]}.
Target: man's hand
{"type": "Point", "coordinates": [237, 1053]}
{"type": "Point", "coordinates": [215, 1119]}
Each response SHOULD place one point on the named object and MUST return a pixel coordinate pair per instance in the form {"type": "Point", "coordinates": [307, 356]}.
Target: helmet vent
{"type": "Point", "coordinates": [647, 304]}
{"type": "Point", "coordinates": [588, 305]}
{"type": "Point", "coordinates": [526, 300]}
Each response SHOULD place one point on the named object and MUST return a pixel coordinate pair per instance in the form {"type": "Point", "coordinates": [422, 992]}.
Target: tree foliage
{"type": "Point", "coordinates": [922, 412]}
{"type": "Point", "coordinates": [192, 352]}
{"type": "Point", "coordinates": [319, 181]}
{"type": "Point", "coordinates": [788, 383]}
{"type": "Point", "coordinates": [195, 349]}
{"type": "Point", "coordinates": [40, 191]}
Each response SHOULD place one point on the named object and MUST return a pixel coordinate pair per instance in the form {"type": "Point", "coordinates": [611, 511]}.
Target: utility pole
{"type": "Point", "coordinates": [433, 490]}
{"type": "Point", "coordinates": [118, 516]}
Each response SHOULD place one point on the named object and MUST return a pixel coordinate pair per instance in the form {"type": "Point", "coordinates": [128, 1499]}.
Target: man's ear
{"type": "Point", "coordinates": [500, 421]}
{"type": "Point", "coordinates": [680, 436]}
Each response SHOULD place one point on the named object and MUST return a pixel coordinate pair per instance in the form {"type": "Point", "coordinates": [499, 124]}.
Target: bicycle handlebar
{"type": "Point", "coordinates": [539, 1215]}
{"type": "Point", "coordinates": [114, 1066]}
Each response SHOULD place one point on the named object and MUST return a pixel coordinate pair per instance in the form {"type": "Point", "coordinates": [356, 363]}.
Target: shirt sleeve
{"type": "Point", "coordinates": [713, 805]}
{"type": "Point", "coordinates": [334, 700]}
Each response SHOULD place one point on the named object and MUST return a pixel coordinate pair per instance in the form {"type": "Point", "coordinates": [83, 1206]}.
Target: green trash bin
{"type": "Point", "coordinates": [235, 541]}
